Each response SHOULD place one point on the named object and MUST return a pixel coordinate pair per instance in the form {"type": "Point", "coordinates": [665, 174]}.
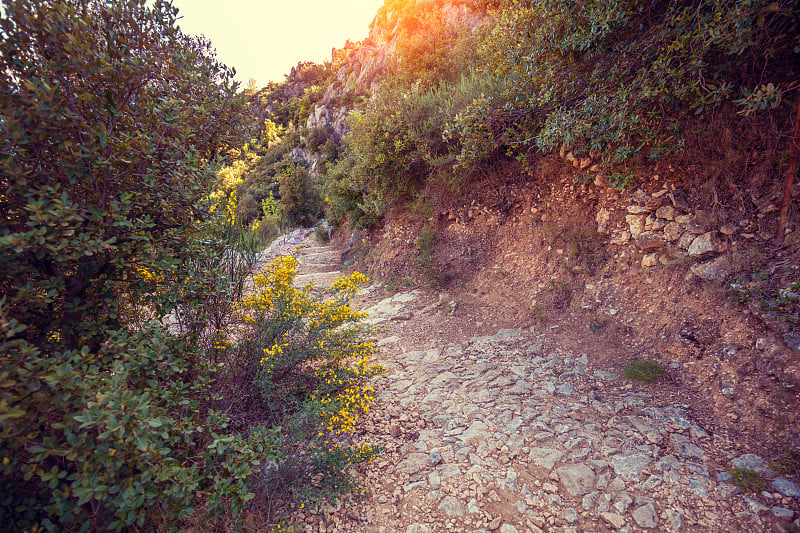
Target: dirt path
{"type": "Point", "coordinates": [508, 432]}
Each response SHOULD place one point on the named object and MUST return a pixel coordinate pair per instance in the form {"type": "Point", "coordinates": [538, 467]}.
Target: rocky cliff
{"type": "Point", "coordinates": [361, 66]}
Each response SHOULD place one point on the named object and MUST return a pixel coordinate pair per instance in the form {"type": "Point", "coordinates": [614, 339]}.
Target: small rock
{"type": "Point", "coordinates": [475, 433]}
{"type": "Point", "coordinates": [752, 462]}
{"type": "Point", "coordinates": [724, 476]}
{"type": "Point", "coordinates": [508, 528]}
{"type": "Point", "coordinates": [673, 231]}
{"type": "Point", "coordinates": [671, 414]}
{"type": "Point", "coordinates": [448, 471]}
{"type": "Point", "coordinates": [679, 201]}
{"type": "Point", "coordinates": [521, 387]}
{"type": "Point", "coordinates": [622, 502]}
{"type": "Point", "coordinates": [675, 519]}
{"type": "Point", "coordinates": [571, 515]}
{"type": "Point", "coordinates": [415, 485]}
{"type": "Point", "coordinates": [605, 376]}
{"type": "Point", "coordinates": [546, 457]}
{"type": "Point", "coordinates": [646, 516]}
{"type": "Point", "coordinates": [690, 450]}
{"type": "Point", "coordinates": [754, 506]}
{"type": "Point", "coordinates": [577, 479]}
{"type": "Point", "coordinates": [418, 528]}
{"type": "Point", "coordinates": [686, 241]}
{"type": "Point", "coordinates": [706, 243]}
{"type": "Point", "coordinates": [613, 519]}
{"type": "Point", "coordinates": [666, 212]}
{"type": "Point", "coordinates": [655, 224]}
{"type": "Point", "coordinates": [451, 506]}
{"type": "Point", "coordinates": [726, 490]}
{"type": "Point", "coordinates": [413, 463]}
{"type": "Point", "coordinates": [630, 466]}
{"type": "Point", "coordinates": [389, 340]}
{"type": "Point", "coordinates": [590, 501]}
{"type": "Point", "coordinates": [566, 389]}
{"type": "Point", "coordinates": [620, 238]}
{"type": "Point", "coordinates": [603, 218]}
{"type": "Point", "coordinates": [727, 229]}
{"type": "Point", "coordinates": [715, 270]}
{"type": "Point", "coordinates": [692, 224]}
{"type": "Point", "coordinates": [782, 512]}
{"type": "Point", "coordinates": [434, 458]}
{"type": "Point", "coordinates": [650, 260]}
{"type": "Point", "coordinates": [786, 488]}
{"type": "Point", "coordinates": [649, 242]}
{"type": "Point", "coordinates": [636, 225]}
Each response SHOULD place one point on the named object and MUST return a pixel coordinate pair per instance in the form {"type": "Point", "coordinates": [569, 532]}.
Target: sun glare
{"type": "Point", "coordinates": [263, 40]}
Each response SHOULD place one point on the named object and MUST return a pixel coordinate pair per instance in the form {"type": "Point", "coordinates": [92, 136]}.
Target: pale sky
{"type": "Point", "coordinates": [264, 39]}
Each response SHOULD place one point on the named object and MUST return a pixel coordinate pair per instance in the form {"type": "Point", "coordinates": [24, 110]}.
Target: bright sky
{"type": "Point", "coordinates": [264, 39]}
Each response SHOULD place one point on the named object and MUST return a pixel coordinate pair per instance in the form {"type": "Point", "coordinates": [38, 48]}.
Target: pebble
{"type": "Point", "coordinates": [782, 512]}
{"type": "Point", "coordinates": [646, 516]}
{"type": "Point", "coordinates": [451, 506]}
{"type": "Point", "coordinates": [786, 487]}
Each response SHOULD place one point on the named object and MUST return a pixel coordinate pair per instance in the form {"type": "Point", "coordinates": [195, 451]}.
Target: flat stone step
{"type": "Point", "coordinates": [320, 251]}
{"type": "Point", "coordinates": [318, 279]}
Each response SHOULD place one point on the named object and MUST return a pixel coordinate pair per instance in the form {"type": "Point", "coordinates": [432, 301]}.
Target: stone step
{"type": "Point", "coordinates": [319, 279]}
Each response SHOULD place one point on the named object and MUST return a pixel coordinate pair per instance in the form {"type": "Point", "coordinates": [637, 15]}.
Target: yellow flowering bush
{"type": "Point", "coordinates": [314, 367]}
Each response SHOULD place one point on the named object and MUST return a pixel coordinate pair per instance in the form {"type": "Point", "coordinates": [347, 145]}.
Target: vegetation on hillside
{"type": "Point", "coordinates": [622, 81]}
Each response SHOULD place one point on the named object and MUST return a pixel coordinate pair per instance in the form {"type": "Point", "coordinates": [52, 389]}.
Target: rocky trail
{"type": "Point", "coordinates": [510, 432]}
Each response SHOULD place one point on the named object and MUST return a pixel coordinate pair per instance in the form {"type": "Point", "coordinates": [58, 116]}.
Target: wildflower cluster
{"type": "Point", "coordinates": [230, 208]}
{"type": "Point", "coordinates": [221, 339]}
{"type": "Point", "coordinates": [314, 367]}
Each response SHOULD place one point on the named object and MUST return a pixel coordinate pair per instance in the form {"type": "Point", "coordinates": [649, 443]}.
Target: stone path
{"type": "Point", "coordinates": [498, 434]}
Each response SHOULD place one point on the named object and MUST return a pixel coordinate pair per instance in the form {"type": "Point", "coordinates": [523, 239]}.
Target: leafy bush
{"type": "Point", "coordinates": [403, 137]}
{"type": "Point", "coordinates": [647, 371]}
{"type": "Point", "coordinates": [773, 292]}
{"type": "Point", "coordinates": [300, 196]}
{"type": "Point", "coordinates": [313, 371]}
{"type": "Point", "coordinates": [110, 117]}
{"type": "Point", "coordinates": [348, 199]}
{"type": "Point", "coordinates": [619, 76]}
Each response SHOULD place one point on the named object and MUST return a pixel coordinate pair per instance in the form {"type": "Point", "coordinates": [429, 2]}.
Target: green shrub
{"type": "Point", "coordinates": [301, 201]}
{"type": "Point", "coordinates": [402, 135]}
{"type": "Point", "coordinates": [347, 198]}
{"type": "Point", "coordinates": [748, 480]}
{"type": "Point", "coordinates": [109, 420]}
{"type": "Point", "coordinates": [619, 76]}
{"type": "Point", "coordinates": [647, 371]}
{"type": "Point", "coordinates": [313, 371]}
